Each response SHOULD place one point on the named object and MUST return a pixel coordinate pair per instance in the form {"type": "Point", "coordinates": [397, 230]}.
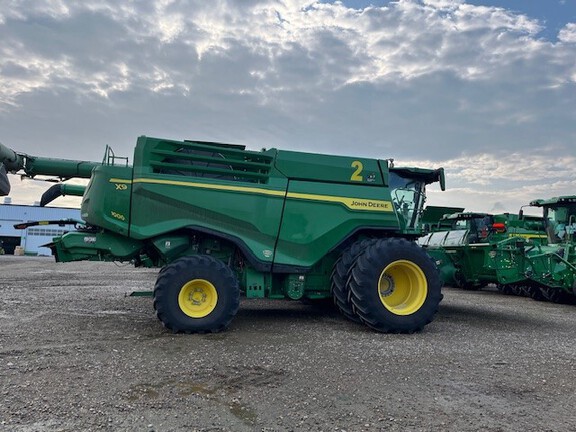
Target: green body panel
{"type": "Point", "coordinates": [106, 201]}
{"type": "Point", "coordinates": [102, 246]}
{"type": "Point", "coordinates": [331, 169]}
{"type": "Point", "coordinates": [245, 207]}
{"type": "Point", "coordinates": [315, 220]}
{"type": "Point", "coordinates": [256, 284]}
{"type": "Point", "coordinates": [250, 216]}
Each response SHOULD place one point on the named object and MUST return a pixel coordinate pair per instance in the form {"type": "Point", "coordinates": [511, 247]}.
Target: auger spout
{"type": "Point", "coordinates": [31, 166]}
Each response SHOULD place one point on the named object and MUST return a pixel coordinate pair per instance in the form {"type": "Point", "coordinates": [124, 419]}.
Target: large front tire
{"type": "Point", "coordinates": [196, 294]}
{"type": "Point", "coordinates": [395, 287]}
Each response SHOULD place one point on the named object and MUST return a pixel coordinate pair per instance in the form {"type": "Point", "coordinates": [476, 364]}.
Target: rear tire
{"type": "Point", "coordinates": [196, 294]}
{"type": "Point", "coordinates": [395, 286]}
{"type": "Point", "coordinates": [340, 274]}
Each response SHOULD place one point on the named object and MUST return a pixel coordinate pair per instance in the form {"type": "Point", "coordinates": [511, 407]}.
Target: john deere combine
{"type": "Point", "coordinates": [220, 220]}
{"type": "Point", "coordinates": [548, 267]}
{"type": "Point", "coordinates": [462, 244]}
{"type": "Point", "coordinates": [523, 255]}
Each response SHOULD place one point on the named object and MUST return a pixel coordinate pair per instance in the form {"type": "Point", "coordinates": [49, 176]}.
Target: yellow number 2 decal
{"type": "Point", "coordinates": [357, 175]}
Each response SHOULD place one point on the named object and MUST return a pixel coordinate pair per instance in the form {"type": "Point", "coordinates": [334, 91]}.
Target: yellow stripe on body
{"type": "Point", "coordinates": [360, 204]}
{"type": "Point", "coordinates": [528, 236]}
{"type": "Point", "coordinates": [119, 180]}
{"type": "Point", "coordinates": [351, 203]}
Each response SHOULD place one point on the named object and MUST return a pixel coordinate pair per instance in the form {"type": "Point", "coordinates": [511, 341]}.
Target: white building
{"type": "Point", "coordinates": [32, 238]}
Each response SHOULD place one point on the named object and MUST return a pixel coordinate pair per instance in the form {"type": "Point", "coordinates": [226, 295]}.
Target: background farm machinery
{"type": "Point", "coordinates": [548, 266]}
{"type": "Point", "coordinates": [522, 255]}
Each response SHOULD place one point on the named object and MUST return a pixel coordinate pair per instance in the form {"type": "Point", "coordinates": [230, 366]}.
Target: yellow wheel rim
{"type": "Point", "coordinates": [402, 287]}
{"type": "Point", "coordinates": [197, 298]}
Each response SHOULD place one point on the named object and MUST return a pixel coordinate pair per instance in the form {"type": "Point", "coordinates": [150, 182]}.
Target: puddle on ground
{"type": "Point", "coordinates": [143, 391]}
{"type": "Point", "coordinates": [243, 412]}
{"type": "Point", "coordinates": [150, 391]}
{"type": "Point", "coordinates": [188, 388]}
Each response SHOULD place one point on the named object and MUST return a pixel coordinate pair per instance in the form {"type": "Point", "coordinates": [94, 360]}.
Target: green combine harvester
{"type": "Point", "coordinates": [548, 266]}
{"type": "Point", "coordinates": [461, 243]}
{"type": "Point", "coordinates": [523, 255]}
{"type": "Point", "coordinates": [220, 220]}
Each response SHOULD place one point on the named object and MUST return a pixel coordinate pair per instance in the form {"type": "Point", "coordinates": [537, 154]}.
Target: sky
{"type": "Point", "coordinates": [484, 88]}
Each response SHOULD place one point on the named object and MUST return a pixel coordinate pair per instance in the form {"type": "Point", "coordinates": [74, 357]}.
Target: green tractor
{"type": "Point", "coordinates": [462, 243]}
{"type": "Point", "coordinates": [220, 221]}
{"type": "Point", "coordinates": [550, 266]}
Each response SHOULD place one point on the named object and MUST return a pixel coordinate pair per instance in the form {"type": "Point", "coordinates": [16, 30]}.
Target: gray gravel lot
{"type": "Point", "coordinates": [77, 354]}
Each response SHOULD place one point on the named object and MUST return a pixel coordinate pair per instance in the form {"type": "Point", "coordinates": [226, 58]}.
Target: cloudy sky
{"type": "Point", "coordinates": [484, 88]}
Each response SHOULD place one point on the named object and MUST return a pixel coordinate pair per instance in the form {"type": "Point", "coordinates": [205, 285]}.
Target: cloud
{"type": "Point", "coordinates": [505, 182]}
{"type": "Point", "coordinates": [501, 198]}
{"type": "Point", "coordinates": [341, 45]}
{"type": "Point", "coordinates": [473, 88]}
{"type": "Point", "coordinates": [568, 33]}
{"type": "Point", "coordinates": [486, 169]}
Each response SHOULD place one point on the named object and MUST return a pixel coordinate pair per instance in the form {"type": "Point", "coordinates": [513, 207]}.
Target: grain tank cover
{"type": "Point", "coordinates": [328, 168]}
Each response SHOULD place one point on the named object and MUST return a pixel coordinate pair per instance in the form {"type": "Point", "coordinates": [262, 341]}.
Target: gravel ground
{"type": "Point", "coordinates": [77, 354]}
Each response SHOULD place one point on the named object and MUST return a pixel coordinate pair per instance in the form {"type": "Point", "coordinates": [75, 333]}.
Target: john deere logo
{"type": "Point", "coordinates": [370, 205]}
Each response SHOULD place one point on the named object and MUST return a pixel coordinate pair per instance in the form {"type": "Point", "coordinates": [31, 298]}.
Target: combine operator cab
{"type": "Point", "coordinates": [560, 219]}
{"type": "Point", "coordinates": [408, 191]}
